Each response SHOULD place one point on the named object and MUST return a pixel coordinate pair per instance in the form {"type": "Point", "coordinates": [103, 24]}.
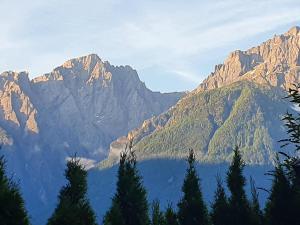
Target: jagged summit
{"type": "Point", "coordinates": [13, 75]}
{"type": "Point", "coordinates": [88, 69]}
{"type": "Point", "coordinates": [294, 31]}
{"type": "Point", "coordinates": [87, 61]}
{"type": "Point", "coordinates": [275, 62]}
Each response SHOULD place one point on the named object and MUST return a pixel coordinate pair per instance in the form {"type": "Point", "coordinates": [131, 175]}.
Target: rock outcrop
{"type": "Point", "coordinates": [275, 62]}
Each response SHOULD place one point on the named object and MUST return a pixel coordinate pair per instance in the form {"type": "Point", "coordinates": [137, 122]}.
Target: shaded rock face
{"type": "Point", "coordinates": [275, 62]}
{"type": "Point", "coordinates": [80, 107]}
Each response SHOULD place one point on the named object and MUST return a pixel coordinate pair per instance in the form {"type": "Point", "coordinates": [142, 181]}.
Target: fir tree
{"type": "Point", "coordinates": [220, 213]}
{"type": "Point", "coordinates": [129, 205]}
{"type": "Point", "coordinates": [171, 217]}
{"type": "Point", "coordinates": [12, 209]}
{"type": "Point", "coordinates": [238, 203]}
{"type": "Point", "coordinates": [256, 213]}
{"type": "Point", "coordinates": [157, 216]}
{"type": "Point", "coordinates": [73, 207]}
{"type": "Point", "coordinates": [292, 163]}
{"type": "Point", "coordinates": [278, 207]}
{"type": "Point", "coordinates": [192, 210]}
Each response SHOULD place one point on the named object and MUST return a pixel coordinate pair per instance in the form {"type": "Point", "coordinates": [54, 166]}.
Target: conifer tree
{"type": "Point", "coordinates": [192, 209]}
{"type": "Point", "coordinates": [171, 217]}
{"type": "Point", "coordinates": [278, 208]}
{"type": "Point", "coordinates": [238, 203]}
{"type": "Point", "coordinates": [220, 213]}
{"type": "Point", "coordinates": [12, 209]}
{"type": "Point", "coordinates": [256, 213]}
{"type": "Point", "coordinates": [73, 207]}
{"type": "Point", "coordinates": [129, 205]}
{"type": "Point", "coordinates": [157, 216]}
{"type": "Point", "coordinates": [292, 163]}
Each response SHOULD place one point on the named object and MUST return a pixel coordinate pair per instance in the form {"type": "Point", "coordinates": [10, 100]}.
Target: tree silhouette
{"type": "Point", "coordinates": [157, 216]}
{"type": "Point", "coordinates": [256, 213]}
{"type": "Point", "coordinates": [278, 206]}
{"type": "Point", "coordinates": [291, 164]}
{"type": "Point", "coordinates": [73, 207]}
{"type": "Point", "coordinates": [238, 203]}
{"type": "Point", "coordinates": [171, 217]}
{"type": "Point", "coordinates": [220, 207]}
{"type": "Point", "coordinates": [192, 210]}
{"type": "Point", "coordinates": [12, 209]}
{"type": "Point", "coordinates": [129, 205]}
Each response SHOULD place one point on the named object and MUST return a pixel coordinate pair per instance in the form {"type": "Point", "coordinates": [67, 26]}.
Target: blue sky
{"type": "Point", "coordinates": [172, 44]}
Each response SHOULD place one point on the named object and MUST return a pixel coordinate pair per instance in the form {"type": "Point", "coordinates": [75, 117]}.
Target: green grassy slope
{"type": "Point", "coordinates": [212, 122]}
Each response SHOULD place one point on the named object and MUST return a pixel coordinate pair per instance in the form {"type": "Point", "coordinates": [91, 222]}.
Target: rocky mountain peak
{"type": "Point", "coordinates": [275, 62]}
{"type": "Point", "coordinates": [87, 62]}
{"type": "Point", "coordinates": [14, 76]}
{"type": "Point", "coordinates": [294, 31]}
{"type": "Point", "coordinates": [90, 69]}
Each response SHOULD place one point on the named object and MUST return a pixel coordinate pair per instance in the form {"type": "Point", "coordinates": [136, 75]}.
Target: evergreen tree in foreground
{"type": "Point", "coordinates": [157, 216]}
{"type": "Point", "coordinates": [256, 213]}
{"type": "Point", "coordinates": [12, 210]}
{"type": "Point", "coordinates": [73, 207]}
{"type": "Point", "coordinates": [278, 208]}
{"type": "Point", "coordinates": [129, 205]}
{"type": "Point", "coordinates": [192, 210]}
{"type": "Point", "coordinates": [220, 213]}
{"type": "Point", "coordinates": [171, 217]}
{"type": "Point", "coordinates": [238, 203]}
{"type": "Point", "coordinates": [292, 163]}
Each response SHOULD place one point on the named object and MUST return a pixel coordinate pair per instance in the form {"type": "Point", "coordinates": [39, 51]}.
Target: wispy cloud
{"type": "Point", "coordinates": [182, 38]}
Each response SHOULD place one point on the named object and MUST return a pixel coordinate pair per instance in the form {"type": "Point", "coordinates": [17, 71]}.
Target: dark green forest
{"type": "Point", "coordinates": [129, 205]}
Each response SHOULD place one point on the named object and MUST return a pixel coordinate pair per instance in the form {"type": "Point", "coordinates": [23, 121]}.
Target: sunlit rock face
{"type": "Point", "coordinates": [275, 62]}
{"type": "Point", "coordinates": [80, 107]}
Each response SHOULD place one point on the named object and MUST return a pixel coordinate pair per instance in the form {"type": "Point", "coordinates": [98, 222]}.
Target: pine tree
{"type": "Point", "coordinates": [256, 213]}
{"type": "Point", "coordinates": [238, 203]}
{"type": "Point", "coordinates": [12, 209]}
{"type": "Point", "coordinates": [192, 210]}
{"type": "Point", "coordinates": [171, 217]}
{"type": "Point", "coordinates": [73, 207]}
{"type": "Point", "coordinates": [129, 205]}
{"type": "Point", "coordinates": [278, 207]}
{"type": "Point", "coordinates": [157, 216]}
{"type": "Point", "coordinates": [292, 163]}
{"type": "Point", "coordinates": [113, 216]}
{"type": "Point", "coordinates": [220, 213]}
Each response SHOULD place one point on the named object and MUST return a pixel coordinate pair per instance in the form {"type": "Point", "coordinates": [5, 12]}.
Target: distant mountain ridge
{"type": "Point", "coordinates": [227, 99]}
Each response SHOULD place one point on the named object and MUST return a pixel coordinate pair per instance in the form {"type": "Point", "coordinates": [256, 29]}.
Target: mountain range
{"type": "Point", "coordinates": [89, 107]}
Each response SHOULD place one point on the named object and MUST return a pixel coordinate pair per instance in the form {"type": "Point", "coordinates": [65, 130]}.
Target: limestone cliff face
{"type": "Point", "coordinates": [16, 106]}
{"type": "Point", "coordinates": [81, 106]}
{"type": "Point", "coordinates": [275, 62]}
